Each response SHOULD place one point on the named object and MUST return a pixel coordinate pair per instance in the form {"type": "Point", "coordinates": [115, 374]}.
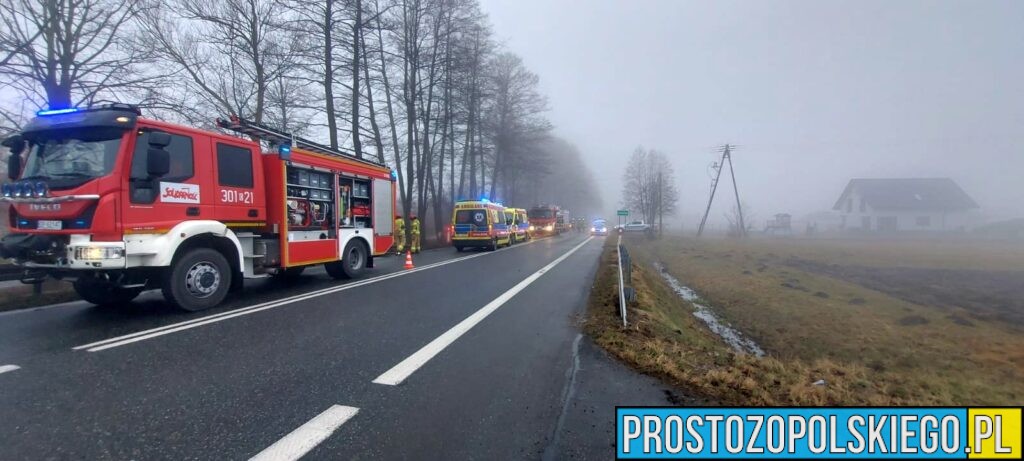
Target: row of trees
{"type": "Point", "coordinates": [418, 84]}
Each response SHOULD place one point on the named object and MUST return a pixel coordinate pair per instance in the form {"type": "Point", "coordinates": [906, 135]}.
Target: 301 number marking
{"type": "Point", "coordinates": [234, 196]}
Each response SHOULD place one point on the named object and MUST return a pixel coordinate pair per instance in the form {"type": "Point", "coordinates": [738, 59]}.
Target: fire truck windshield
{"type": "Point", "coordinates": [70, 161]}
{"type": "Point", "coordinates": [540, 213]}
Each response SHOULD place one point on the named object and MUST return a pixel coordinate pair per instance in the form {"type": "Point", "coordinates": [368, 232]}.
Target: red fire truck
{"type": "Point", "coordinates": [544, 220]}
{"type": "Point", "coordinates": [117, 204]}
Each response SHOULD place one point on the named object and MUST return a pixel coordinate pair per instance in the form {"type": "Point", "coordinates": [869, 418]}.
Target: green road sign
{"type": "Point", "coordinates": [623, 213]}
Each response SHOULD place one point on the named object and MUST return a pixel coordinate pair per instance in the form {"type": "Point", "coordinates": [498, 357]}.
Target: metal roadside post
{"type": "Point", "coordinates": [622, 285]}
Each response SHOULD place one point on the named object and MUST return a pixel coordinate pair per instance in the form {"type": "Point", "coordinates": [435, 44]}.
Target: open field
{"type": "Point", "coordinates": [881, 322]}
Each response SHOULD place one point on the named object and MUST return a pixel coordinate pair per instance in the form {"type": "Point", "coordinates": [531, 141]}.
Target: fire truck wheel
{"type": "Point", "coordinates": [103, 293]}
{"type": "Point", "coordinates": [494, 245]}
{"type": "Point", "coordinates": [199, 279]}
{"type": "Point", "coordinates": [352, 264]}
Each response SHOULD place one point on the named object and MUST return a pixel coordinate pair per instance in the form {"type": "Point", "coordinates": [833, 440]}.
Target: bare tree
{"type": "Point", "coordinates": [649, 184]}
{"type": "Point", "coordinates": [516, 122]}
{"type": "Point", "coordinates": [66, 53]}
{"type": "Point", "coordinates": [230, 52]}
{"type": "Point", "coordinates": [733, 217]}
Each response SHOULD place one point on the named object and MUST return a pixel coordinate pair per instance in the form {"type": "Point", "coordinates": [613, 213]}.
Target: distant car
{"type": "Point", "coordinates": [599, 227]}
{"type": "Point", "coordinates": [635, 226]}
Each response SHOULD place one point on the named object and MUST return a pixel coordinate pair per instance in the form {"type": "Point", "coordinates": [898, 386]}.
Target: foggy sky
{"type": "Point", "coordinates": [814, 92]}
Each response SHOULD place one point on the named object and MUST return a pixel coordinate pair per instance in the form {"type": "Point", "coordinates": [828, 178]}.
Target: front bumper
{"type": "Point", "coordinates": [74, 252]}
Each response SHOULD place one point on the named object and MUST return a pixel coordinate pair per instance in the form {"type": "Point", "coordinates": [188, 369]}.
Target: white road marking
{"type": "Point", "coordinates": [6, 368]}
{"type": "Point", "coordinates": [189, 324]}
{"type": "Point", "coordinates": [399, 373]}
{"type": "Point", "coordinates": [307, 436]}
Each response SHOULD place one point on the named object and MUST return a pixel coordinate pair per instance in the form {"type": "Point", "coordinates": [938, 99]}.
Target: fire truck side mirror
{"type": "Point", "coordinates": [16, 144]}
{"type": "Point", "coordinates": [159, 139]}
{"type": "Point", "coordinates": [158, 162]}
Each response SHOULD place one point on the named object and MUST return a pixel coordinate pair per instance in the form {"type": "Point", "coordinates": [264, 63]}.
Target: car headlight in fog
{"type": "Point", "coordinates": [593, 229]}
{"type": "Point", "coordinates": [533, 228]}
{"type": "Point", "coordinates": [549, 227]}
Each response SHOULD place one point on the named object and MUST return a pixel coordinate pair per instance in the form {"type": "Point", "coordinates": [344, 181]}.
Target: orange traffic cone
{"type": "Point", "coordinates": [408, 260]}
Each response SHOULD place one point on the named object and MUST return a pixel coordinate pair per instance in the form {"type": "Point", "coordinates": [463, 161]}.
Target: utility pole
{"type": "Point", "coordinates": [726, 152]}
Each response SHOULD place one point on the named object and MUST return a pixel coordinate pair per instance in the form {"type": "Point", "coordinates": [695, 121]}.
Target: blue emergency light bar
{"type": "Point", "coordinates": [46, 112]}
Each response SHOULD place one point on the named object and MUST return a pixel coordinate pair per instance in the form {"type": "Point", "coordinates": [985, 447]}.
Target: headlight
{"type": "Point", "coordinates": [549, 227]}
{"type": "Point", "coordinates": [533, 228]}
{"type": "Point", "coordinates": [593, 229]}
{"type": "Point", "coordinates": [98, 253]}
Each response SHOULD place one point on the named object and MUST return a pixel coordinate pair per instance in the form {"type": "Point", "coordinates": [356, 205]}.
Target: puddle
{"type": "Point", "coordinates": [733, 338]}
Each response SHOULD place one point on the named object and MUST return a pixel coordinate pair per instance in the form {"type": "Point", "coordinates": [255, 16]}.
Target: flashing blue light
{"type": "Point", "coordinates": [23, 223]}
{"type": "Point", "coordinates": [484, 199]}
{"type": "Point", "coordinates": [44, 113]}
{"type": "Point", "coordinates": [394, 175]}
{"type": "Point", "coordinates": [284, 151]}
{"type": "Point", "coordinates": [80, 223]}
{"type": "Point", "coordinates": [7, 190]}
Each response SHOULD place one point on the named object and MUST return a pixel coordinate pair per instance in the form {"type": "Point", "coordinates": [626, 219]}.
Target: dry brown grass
{"type": "Point", "coordinates": [858, 340]}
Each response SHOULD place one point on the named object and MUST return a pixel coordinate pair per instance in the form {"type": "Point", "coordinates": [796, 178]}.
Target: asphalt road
{"type": "Point", "coordinates": [472, 355]}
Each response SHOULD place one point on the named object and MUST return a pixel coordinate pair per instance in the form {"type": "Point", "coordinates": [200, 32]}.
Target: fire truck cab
{"type": "Point", "coordinates": [117, 204]}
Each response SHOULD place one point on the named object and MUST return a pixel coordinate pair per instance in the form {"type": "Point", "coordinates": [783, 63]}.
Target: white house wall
{"type": "Point", "coordinates": [906, 221]}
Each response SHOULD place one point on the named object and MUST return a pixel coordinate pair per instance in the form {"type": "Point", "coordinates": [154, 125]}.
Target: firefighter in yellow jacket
{"type": "Point", "coordinates": [415, 244]}
{"type": "Point", "coordinates": [399, 234]}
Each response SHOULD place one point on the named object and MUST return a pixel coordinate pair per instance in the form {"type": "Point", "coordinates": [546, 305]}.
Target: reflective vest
{"type": "Point", "coordinates": [416, 226]}
{"type": "Point", "coordinates": [400, 225]}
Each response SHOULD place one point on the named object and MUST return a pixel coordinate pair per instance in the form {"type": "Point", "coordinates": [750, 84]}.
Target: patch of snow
{"type": "Point", "coordinates": [731, 336]}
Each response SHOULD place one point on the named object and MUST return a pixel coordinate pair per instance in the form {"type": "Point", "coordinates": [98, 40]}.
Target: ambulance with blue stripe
{"type": "Point", "coordinates": [480, 224]}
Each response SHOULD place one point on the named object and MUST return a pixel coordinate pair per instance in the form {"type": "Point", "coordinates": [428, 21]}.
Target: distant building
{"type": "Point", "coordinates": [905, 205]}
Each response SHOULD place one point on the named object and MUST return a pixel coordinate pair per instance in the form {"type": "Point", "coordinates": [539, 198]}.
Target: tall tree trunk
{"type": "Point", "coordinates": [391, 119]}
{"type": "Point", "coordinates": [328, 77]}
{"type": "Point", "coordinates": [378, 142]}
{"type": "Point", "coordinates": [357, 26]}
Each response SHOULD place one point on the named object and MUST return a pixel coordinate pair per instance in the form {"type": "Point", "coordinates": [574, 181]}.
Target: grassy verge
{"type": "Point", "coordinates": [870, 346]}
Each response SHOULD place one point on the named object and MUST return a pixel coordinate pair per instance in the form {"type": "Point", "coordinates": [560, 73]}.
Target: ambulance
{"type": "Point", "coordinates": [481, 224]}
{"type": "Point", "coordinates": [521, 224]}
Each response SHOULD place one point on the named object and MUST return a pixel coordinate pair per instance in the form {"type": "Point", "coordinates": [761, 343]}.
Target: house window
{"type": "Point", "coordinates": [849, 205]}
{"type": "Point", "coordinates": [234, 166]}
{"type": "Point", "coordinates": [863, 206]}
{"type": "Point", "coordinates": [923, 221]}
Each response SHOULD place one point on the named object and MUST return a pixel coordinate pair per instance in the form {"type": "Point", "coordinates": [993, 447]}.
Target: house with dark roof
{"type": "Point", "coordinates": [905, 204]}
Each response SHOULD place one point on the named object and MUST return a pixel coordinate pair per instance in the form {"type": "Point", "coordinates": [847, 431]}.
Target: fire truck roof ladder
{"type": "Point", "coordinates": [278, 137]}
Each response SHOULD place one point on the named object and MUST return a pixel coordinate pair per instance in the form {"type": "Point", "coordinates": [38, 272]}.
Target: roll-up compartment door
{"type": "Point", "coordinates": [383, 207]}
